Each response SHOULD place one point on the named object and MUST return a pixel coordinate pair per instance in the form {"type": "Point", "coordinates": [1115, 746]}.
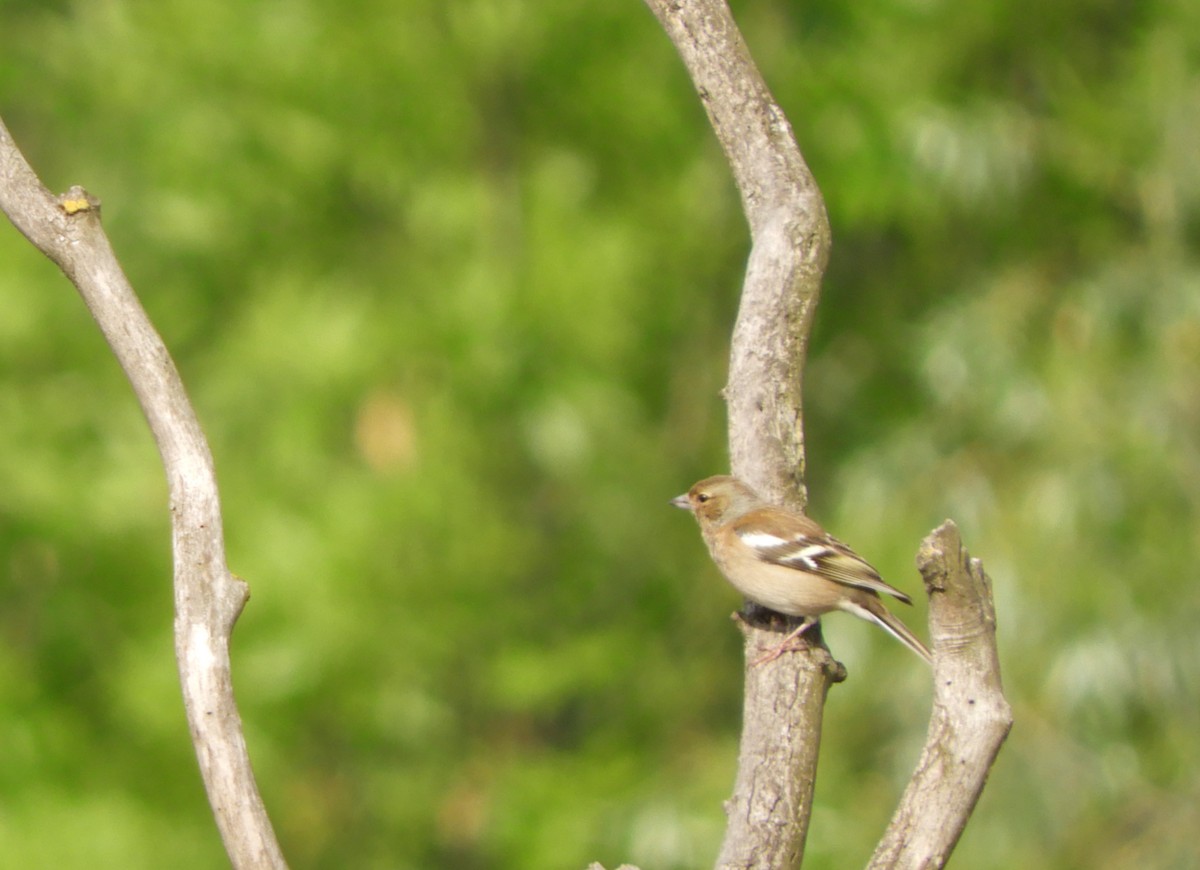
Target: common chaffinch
{"type": "Point", "coordinates": [786, 562]}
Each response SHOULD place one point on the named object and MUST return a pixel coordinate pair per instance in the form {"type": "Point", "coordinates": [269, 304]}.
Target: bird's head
{"type": "Point", "coordinates": [718, 499]}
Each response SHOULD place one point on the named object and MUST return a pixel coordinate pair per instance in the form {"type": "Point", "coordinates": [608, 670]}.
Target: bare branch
{"type": "Point", "coordinates": [790, 232]}
{"type": "Point", "coordinates": [208, 598]}
{"type": "Point", "coordinates": [769, 811]}
{"type": "Point", "coordinates": [971, 716]}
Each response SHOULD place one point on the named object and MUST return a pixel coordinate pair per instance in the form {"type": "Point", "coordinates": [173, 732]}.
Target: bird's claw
{"type": "Point", "coordinates": [788, 644]}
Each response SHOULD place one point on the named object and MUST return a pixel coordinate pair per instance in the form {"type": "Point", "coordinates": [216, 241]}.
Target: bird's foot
{"type": "Point", "coordinates": [788, 644]}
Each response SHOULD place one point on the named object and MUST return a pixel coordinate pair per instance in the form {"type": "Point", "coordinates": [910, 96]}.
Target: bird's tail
{"type": "Point", "coordinates": [872, 610]}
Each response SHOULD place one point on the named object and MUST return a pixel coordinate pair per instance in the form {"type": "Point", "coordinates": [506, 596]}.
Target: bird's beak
{"type": "Point", "coordinates": [681, 501]}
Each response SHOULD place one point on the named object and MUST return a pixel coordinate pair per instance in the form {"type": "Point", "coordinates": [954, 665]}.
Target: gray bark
{"type": "Point", "coordinates": [208, 598]}
{"type": "Point", "coordinates": [971, 716]}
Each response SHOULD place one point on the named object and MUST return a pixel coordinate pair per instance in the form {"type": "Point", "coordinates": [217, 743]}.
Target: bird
{"type": "Point", "coordinates": [786, 562]}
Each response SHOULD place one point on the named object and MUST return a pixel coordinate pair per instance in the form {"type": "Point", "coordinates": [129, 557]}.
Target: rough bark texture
{"type": "Point", "coordinates": [208, 599]}
{"type": "Point", "coordinates": [768, 813]}
{"type": "Point", "coordinates": [790, 234]}
{"type": "Point", "coordinates": [971, 716]}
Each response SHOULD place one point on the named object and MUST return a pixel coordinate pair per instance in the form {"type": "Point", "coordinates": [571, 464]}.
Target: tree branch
{"type": "Point", "coordinates": [769, 811]}
{"type": "Point", "coordinates": [971, 716]}
{"type": "Point", "coordinates": [777, 759]}
{"type": "Point", "coordinates": [790, 234]}
{"type": "Point", "coordinates": [208, 598]}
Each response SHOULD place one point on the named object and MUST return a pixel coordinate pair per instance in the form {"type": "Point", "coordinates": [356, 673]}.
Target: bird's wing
{"type": "Point", "coordinates": [797, 542]}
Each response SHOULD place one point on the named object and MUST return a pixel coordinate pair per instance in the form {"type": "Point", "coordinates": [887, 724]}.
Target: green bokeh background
{"type": "Point", "coordinates": [451, 285]}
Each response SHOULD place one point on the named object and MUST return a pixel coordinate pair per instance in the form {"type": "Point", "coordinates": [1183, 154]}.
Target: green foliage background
{"type": "Point", "coordinates": [451, 285]}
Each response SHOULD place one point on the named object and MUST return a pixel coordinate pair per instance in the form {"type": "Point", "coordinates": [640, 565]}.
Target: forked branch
{"type": "Point", "coordinates": [784, 701]}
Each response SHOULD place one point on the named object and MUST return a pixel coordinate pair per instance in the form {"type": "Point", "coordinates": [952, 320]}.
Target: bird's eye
{"type": "Point", "coordinates": [702, 497]}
